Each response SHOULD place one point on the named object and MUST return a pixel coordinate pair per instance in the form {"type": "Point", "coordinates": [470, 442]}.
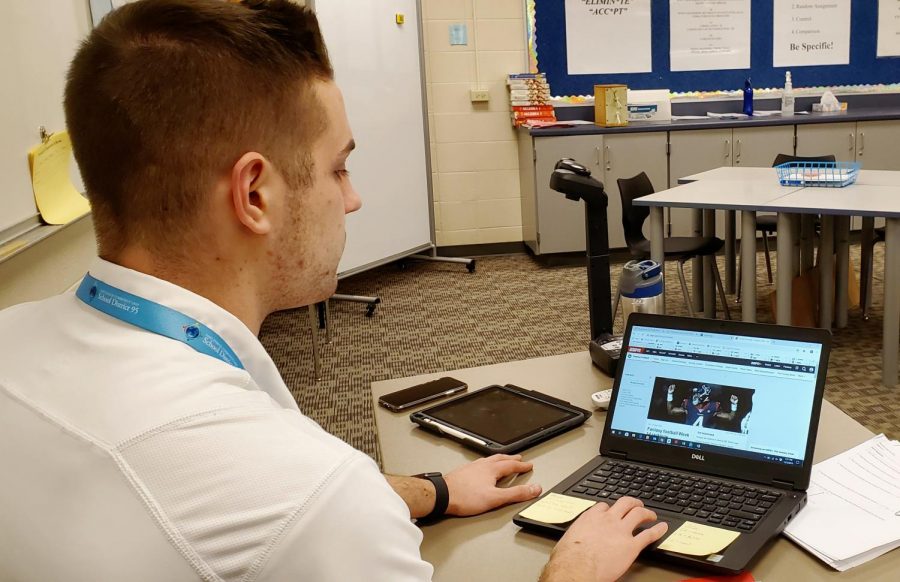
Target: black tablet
{"type": "Point", "coordinates": [501, 419]}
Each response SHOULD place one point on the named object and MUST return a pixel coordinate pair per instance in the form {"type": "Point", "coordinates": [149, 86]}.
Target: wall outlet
{"type": "Point", "coordinates": [479, 95]}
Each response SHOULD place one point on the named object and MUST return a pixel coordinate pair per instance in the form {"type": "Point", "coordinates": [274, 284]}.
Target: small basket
{"type": "Point", "coordinates": [821, 174]}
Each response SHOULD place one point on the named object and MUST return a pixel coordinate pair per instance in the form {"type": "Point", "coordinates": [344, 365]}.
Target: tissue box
{"type": "Point", "coordinates": [651, 105]}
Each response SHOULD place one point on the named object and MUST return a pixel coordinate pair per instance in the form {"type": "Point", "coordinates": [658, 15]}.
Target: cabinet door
{"type": "Point", "coordinates": [626, 155]}
{"type": "Point", "coordinates": [758, 146]}
{"type": "Point", "coordinates": [560, 221]}
{"type": "Point", "coordinates": [876, 145]}
{"type": "Point", "coordinates": [827, 138]}
{"type": "Point", "coordinates": [692, 152]}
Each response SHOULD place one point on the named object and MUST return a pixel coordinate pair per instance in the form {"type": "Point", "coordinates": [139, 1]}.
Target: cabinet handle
{"type": "Point", "coordinates": [727, 148]}
{"type": "Point", "coordinates": [737, 154]}
{"type": "Point", "coordinates": [597, 151]}
{"type": "Point", "coordinates": [608, 159]}
{"type": "Point", "coordinates": [851, 142]}
{"type": "Point", "coordinates": [862, 142]}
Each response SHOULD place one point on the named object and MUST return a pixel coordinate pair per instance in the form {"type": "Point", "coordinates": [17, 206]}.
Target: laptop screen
{"type": "Point", "coordinates": [736, 395]}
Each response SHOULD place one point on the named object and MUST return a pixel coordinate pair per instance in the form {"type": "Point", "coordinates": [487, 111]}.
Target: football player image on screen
{"type": "Point", "coordinates": [700, 409]}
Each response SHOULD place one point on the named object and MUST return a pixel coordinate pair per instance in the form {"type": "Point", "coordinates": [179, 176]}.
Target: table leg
{"type": "Point", "coordinates": [826, 272]}
{"type": "Point", "coordinates": [748, 265]}
{"type": "Point", "coordinates": [842, 269]}
{"type": "Point", "coordinates": [807, 241]}
{"type": "Point", "coordinates": [730, 258]}
{"type": "Point", "coordinates": [657, 248]}
{"type": "Point", "coordinates": [891, 333]}
{"type": "Point", "coordinates": [795, 235]}
{"type": "Point", "coordinates": [865, 263]}
{"type": "Point", "coordinates": [709, 284]}
{"type": "Point", "coordinates": [697, 264]}
{"type": "Point", "coordinates": [785, 272]}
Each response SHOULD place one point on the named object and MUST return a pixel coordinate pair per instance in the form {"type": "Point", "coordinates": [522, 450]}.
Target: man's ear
{"type": "Point", "coordinates": [251, 183]}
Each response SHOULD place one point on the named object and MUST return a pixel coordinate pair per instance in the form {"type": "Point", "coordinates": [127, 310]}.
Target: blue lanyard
{"type": "Point", "coordinates": [156, 318]}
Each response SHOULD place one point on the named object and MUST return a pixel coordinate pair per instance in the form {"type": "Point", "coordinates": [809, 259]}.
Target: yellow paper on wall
{"type": "Point", "coordinates": [556, 508]}
{"type": "Point", "coordinates": [57, 199]}
{"type": "Point", "coordinates": [695, 539]}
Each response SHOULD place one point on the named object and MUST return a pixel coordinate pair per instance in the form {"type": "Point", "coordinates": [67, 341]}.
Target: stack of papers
{"type": "Point", "coordinates": [853, 509]}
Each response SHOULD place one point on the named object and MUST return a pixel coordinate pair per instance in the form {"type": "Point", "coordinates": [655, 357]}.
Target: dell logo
{"type": "Point", "coordinates": [697, 457]}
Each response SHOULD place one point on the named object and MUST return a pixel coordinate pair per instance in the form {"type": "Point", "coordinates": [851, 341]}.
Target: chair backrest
{"type": "Point", "coordinates": [785, 158]}
{"type": "Point", "coordinates": [633, 217]}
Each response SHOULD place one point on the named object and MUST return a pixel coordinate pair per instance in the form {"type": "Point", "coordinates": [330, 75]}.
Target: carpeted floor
{"type": "Point", "coordinates": [436, 317]}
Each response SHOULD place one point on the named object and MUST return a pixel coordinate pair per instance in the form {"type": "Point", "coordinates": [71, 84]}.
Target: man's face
{"type": "Point", "coordinates": [312, 235]}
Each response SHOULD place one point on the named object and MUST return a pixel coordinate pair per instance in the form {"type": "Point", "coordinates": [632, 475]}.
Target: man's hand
{"type": "Point", "coordinates": [734, 401]}
{"type": "Point", "coordinates": [671, 388]}
{"type": "Point", "coordinates": [473, 487]}
{"type": "Point", "coordinates": [600, 545]}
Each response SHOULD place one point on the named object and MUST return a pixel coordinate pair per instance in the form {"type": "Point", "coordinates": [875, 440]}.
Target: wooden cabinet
{"type": "Point", "coordinates": [758, 146]}
{"type": "Point", "coordinates": [876, 145]}
{"type": "Point", "coordinates": [826, 139]}
{"type": "Point", "coordinates": [626, 155]}
{"type": "Point", "coordinates": [691, 152]}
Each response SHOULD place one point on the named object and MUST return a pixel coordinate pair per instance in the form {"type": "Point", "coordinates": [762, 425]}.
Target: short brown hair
{"type": "Point", "coordinates": [165, 95]}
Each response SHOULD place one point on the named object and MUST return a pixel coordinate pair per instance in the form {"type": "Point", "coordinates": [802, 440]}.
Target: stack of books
{"type": "Point", "coordinates": [529, 95]}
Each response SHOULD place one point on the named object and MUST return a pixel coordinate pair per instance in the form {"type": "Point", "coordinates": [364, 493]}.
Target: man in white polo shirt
{"type": "Point", "coordinates": [145, 434]}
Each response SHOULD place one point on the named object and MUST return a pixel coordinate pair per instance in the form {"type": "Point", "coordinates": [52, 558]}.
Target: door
{"type": "Point", "coordinates": [827, 138]}
{"type": "Point", "coordinates": [625, 155]}
{"type": "Point", "coordinates": [691, 152]}
{"type": "Point", "coordinates": [560, 221]}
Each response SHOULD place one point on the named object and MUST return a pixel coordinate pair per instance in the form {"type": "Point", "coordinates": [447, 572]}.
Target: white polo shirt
{"type": "Point", "coordinates": [126, 455]}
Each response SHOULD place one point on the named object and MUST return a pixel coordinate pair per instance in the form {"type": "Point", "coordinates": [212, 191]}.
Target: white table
{"type": "Point", "coordinates": [876, 193]}
{"type": "Point", "coordinates": [491, 547]}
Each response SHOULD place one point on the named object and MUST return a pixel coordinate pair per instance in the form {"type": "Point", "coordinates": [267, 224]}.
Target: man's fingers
{"type": "Point", "coordinates": [503, 496]}
{"type": "Point", "coordinates": [501, 457]}
{"type": "Point", "coordinates": [651, 534]}
{"type": "Point", "coordinates": [637, 516]}
{"type": "Point", "coordinates": [504, 468]}
{"type": "Point", "coordinates": [625, 504]}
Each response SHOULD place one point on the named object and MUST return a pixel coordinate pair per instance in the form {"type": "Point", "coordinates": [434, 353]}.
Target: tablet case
{"type": "Point", "coordinates": [490, 448]}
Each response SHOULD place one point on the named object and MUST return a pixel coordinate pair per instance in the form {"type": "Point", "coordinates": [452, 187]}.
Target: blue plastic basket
{"type": "Point", "coordinates": [821, 174]}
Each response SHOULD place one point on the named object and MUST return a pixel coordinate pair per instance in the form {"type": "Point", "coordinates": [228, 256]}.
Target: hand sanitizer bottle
{"type": "Point", "coordinates": [748, 98]}
{"type": "Point", "coordinates": [787, 97]}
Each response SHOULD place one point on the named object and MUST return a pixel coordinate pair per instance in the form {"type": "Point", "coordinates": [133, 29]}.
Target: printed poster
{"type": "Point", "coordinates": [888, 28]}
{"type": "Point", "coordinates": [709, 35]}
{"type": "Point", "coordinates": [811, 33]}
{"type": "Point", "coordinates": [608, 36]}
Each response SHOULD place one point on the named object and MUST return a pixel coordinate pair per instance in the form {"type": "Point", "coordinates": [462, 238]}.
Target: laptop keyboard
{"type": "Point", "coordinates": [696, 497]}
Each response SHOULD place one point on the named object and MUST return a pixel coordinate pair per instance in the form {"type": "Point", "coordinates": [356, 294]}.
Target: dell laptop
{"type": "Point", "coordinates": [710, 422]}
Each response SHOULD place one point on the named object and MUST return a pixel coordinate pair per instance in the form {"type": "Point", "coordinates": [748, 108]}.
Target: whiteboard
{"type": "Point", "coordinates": [38, 39]}
{"type": "Point", "coordinates": [377, 66]}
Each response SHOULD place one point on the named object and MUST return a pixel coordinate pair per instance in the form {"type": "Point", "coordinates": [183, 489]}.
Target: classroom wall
{"type": "Point", "coordinates": [475, 168]}
{"type": "Point", "coordinates": [50, 266]}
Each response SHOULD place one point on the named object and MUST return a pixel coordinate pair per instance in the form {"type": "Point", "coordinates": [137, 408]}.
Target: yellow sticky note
{"type": "Point", "coordinates": [696, 539]}
{"type": "Point", "coordinates": [57, 199]}
{"type": "Point", "coordinates": [556, 508]}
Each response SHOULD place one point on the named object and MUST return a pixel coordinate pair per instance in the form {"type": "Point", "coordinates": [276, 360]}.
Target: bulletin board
{"type": "Point", "coordinates": [547, 29]}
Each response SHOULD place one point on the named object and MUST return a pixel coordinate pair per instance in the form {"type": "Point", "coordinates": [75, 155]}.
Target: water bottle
{"type": "Point", "coordinates": [748, 98]}
{"type": "Point", "coordinates": [641, 288]}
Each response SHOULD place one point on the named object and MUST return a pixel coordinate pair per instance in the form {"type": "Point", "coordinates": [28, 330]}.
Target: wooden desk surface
{"type": "Point", "coordinates": [491, 547]}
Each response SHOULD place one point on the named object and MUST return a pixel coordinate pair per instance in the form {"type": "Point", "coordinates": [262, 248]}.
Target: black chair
{"type": "Point", "coordinates": [865, 272]}
{"type": "Point", "coordinates": [767, 224]}
{"type": "Point", "coordinates": [682, 248]}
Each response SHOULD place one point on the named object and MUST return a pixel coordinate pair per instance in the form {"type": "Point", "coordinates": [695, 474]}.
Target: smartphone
{"type": "Point", "coordinates": [422, 393]}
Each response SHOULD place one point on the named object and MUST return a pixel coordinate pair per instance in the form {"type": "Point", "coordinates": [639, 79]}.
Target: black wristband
{"type": "Point", "coordinates": [441, 494]}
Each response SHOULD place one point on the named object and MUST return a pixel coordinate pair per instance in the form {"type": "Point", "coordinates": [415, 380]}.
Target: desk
{"type": "Point", "coordinates": [876, 193]}
{"type": "Point", "coordinates": [491, 547]}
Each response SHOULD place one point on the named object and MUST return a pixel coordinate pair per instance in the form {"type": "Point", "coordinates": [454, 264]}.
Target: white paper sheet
{"type": "Point", "coordinates": [811, 33]}
{"type": "Point", "coordinates": [613, 37]}
{"type": "Point", "coordinates": [853, 508]}
{"type": "Point", "coordinates": [708, 35]}
{"type": "Point", "coordinates": [888, 28]}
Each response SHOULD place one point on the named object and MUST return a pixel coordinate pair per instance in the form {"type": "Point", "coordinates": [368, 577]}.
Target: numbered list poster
{"type": "Point", "coordinates": [608, 36]}
{"type": "Point", "coordinates": [811, 33]}
{"type": "Point", "coordinates": [709, 35]}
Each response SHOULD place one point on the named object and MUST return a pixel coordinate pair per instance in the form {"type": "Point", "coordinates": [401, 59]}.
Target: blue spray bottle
{"type": "Point", "coordinates": [748, 97]}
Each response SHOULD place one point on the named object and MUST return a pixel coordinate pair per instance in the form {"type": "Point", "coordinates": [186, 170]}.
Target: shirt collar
{"type": "Point", "coordinates": [245, 344]}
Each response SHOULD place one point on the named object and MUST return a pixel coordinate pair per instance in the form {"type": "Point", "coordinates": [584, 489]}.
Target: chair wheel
{"type": "Point", "coordinates": [370, 310]}
{"type": "Point", "coordinates": [471, 266]}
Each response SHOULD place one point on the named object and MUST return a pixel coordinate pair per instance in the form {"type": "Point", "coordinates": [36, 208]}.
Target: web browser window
{"type": "Point", "coordinates": [743, 396]}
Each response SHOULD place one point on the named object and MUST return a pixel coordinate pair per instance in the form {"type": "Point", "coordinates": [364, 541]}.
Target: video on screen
{"type": "Point", "coordinates": [706, 405]}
